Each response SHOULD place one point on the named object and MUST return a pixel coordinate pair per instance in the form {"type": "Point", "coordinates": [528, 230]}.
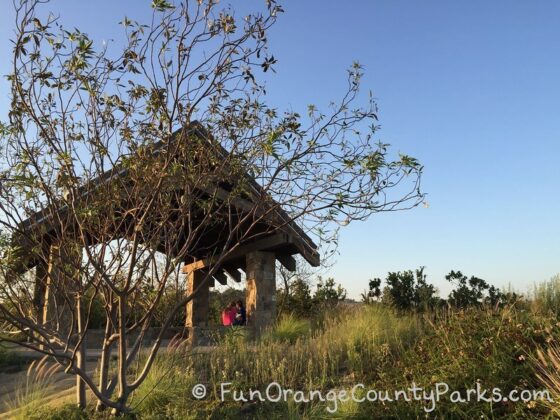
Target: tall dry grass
{"type": "Point", "coordinates": [545, 296]}
{"type": "Point", "coordinates": [30, 395]}
{"type": "Point", "coordinates": [368, 344]}
{"type": "Point", "coordinates": [547, 365]}
{"type": "Point", "coordinates": [352, 342]}
{"type": "Point", "coordinates": [170, 379]}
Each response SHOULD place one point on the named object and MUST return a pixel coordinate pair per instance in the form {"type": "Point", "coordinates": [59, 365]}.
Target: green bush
{"type": "Point", "coordinates": [6, 356]}
{"type": "Point", "coordinates": [407, 290]}
{"type": "Point", "coordinates": [289, 328]}
{"type": "Point", "coordinates": [65, 412]}
{"type": "Point", "coordinates": [234, 338]}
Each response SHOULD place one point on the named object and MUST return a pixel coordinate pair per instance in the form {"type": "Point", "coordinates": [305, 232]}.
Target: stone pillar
{"type": "Point", "coordinates": [63, 279]}
{"type": "Point", "coordinates": [197, 307]}
{"type": "Point", "coordinates": [261, 290]}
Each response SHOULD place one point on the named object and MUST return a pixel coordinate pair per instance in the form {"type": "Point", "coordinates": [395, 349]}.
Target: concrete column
{"type": "Point", "coordinates": [63, 278]}
{"type": "Point", "coordinates": [197, 307]}
{"type": "Point", "coordinates": [261, 289]}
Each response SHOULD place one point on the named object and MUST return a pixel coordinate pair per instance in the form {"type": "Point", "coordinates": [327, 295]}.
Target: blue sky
{"type": "Point", "coordinates": [470, 88]}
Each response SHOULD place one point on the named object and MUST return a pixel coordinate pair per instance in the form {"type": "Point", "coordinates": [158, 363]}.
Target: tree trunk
{"type": "Point", "coordinates": [122, 385]}
{"type": "Point", "coordinates": [80, 356]}
{"type": "Point", "coordinates": [104, 364]}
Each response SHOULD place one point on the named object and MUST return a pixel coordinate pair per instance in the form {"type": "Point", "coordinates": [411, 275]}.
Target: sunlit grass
{"type": "Point", "coordinates": [516, 347]}
{"type": "Point", "coordinates": [30, 395]}
{"type": "Point", "coordinates": [170, 379]}
{"type": "Point", "coordinates": [546, 296]}
{"type": "Point", "coordinates": [289, 329]}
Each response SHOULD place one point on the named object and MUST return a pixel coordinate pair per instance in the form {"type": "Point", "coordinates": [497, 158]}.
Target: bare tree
{"type": "Point", "coordinates": [107, 175]}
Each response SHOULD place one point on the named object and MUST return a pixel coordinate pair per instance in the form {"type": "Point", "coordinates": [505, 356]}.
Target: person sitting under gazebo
{"type": "Point", "coordinates": [241, 314]}
{"type": "Point", "coordinates": [228, 314]}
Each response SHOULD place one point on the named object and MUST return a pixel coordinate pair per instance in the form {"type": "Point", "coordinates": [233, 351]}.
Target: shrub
{"type": "Point", "coordinates": [8, 358]}
{"type": "Point", "coordinates": [409, 290]}
{"type": "Point", "coordinates": [298, 301]}
{"type": "Point", "coordinates": [474, 291]}
{"type": "Point", "coordinates": [290, 328]}
{"type": "Point", "coordinates": [328, 291]}
{"type": "Point", "coordinates": [235, 337]}
{"type": "Point", "coordinates": [473, 346]}
{"type": "Point", "coordinates": [373, 294]}
{"type": "Point", "coordinates": [64, 412]}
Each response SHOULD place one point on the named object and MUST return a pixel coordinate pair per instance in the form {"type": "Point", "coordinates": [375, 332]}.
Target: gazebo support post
{"type": "Point", "coordinates": [261, 290]}
{"type": "Point", "coordinates": [198, 306]}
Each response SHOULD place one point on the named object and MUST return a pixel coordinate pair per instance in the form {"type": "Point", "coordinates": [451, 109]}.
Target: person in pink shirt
{"type": "Point", "coordinates": [228, 314]}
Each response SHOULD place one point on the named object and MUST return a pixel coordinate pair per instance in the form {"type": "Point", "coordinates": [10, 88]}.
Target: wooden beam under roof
{"type": "Point", "coordinates": [266, 243]}
{"type": "Point", "coordinates": [233, 273]}
{"type": "Point", "coordinates": [220, 278]}
{"type": "Point", "coordinates": [287, 261]}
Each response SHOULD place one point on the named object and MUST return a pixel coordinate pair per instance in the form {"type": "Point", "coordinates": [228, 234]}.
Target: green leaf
{"type": "Point", "coordinates": [161, 5]}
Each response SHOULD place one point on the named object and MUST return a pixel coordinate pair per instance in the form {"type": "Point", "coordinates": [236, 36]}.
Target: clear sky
{"type": "Point", "coordinates": [470, 88]}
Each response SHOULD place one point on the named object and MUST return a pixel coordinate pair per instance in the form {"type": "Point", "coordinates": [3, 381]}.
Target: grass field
{"type": "Point", "coordinates": [361, 348]}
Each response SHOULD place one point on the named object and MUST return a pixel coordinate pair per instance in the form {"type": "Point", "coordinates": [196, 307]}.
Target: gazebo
{"type": "Point", "coordinates": [274, 237]}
